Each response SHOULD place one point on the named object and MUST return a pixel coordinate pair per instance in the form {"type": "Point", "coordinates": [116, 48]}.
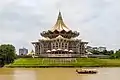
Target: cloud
{"type": "Point", "coordinates": [21, 21]}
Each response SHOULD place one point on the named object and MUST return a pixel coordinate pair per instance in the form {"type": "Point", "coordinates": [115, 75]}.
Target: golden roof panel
{"type": "Point", "coordinates": [60, 25]}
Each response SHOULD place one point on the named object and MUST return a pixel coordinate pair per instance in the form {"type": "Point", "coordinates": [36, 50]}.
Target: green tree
{"type": "Point", "coordinates": [112, 56]}
{"type": "Point", "coordinates": [1, 61]}
{"type": "Point", "coordinates": [111, 52]}
{"type": "Point", "coordinates": [7, 54]}
{"type": "Point", "coordinates": [115, 55]}
{"type": "Point", "coordinates": [95, 52]}
{"type": "Point", "coordinates": [105, 52]}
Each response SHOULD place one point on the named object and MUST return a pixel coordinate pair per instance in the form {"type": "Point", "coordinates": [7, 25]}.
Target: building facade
{"type": "Point", "coordinates": [101, 49]}
{"type": "Point", "coordinates": [23, 51]}
{"type": "Point", "coordinates": [60, 41]}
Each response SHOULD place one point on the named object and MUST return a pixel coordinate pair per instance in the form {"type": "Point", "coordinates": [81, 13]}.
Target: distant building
{"type": "Point", "coordinates": [94, 48]}
{"type": "Point", "coordinates": [101, 49]}
{"type": "Point", "coordinates": [23, 51]}
{"type": "Point", "coordinates": [89, 49]}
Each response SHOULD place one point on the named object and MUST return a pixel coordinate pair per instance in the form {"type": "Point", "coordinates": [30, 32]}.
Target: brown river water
{"type": "Point", "coordinates": [57, 74]}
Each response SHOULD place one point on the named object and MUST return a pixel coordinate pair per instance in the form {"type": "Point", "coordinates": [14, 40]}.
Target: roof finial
{"type": "Point", "coordinates": [60, 25]}
{"type": "Point", "coordinates": [59, 16]}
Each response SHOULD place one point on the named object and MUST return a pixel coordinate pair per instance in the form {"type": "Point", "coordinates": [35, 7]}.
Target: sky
{"type": "Point", "coordinates": [98, 21]}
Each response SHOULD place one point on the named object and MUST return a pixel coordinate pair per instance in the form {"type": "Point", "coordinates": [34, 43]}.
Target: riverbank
{"type": "Point", "coordinates": [48, 62]}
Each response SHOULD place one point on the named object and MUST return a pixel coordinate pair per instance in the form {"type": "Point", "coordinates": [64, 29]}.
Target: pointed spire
{"type": "Point", "coordinates": [59, 16]}
{"type": "Point", "coordinates": [60, 25]}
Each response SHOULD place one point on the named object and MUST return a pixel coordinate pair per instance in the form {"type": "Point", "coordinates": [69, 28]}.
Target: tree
{"type": "Point", "coordinates": [1, 61]}
{"type": "Point", "coordinates": [7, 53]}
{"type": "Point", "coordinates": [111, 52]}
{"type": "Point", "coordinates": [116, 55]}
{"type": "Point", "coordinates": [105, 52]}
{"type": "Point", "coordinates": [112, 56]}
{"type": "Point", "coordinates": [95, 52]}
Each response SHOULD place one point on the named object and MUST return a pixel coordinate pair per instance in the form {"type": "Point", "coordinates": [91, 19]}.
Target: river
{"type": "Point", "coordinates": [57, 74]}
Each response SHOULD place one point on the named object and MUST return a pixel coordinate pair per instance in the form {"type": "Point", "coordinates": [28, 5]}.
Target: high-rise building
{"type": "Point", "coordinates": [60, 41]}
{"type": "Point", "coordinates": [23, 51]}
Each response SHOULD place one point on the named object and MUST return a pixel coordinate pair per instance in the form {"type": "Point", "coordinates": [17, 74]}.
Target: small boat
{"type": "Point", "coordinates": [86, 71]}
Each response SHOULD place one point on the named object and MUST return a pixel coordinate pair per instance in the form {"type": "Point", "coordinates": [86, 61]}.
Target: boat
{"type": "Point", "coordinates": [86, 71]}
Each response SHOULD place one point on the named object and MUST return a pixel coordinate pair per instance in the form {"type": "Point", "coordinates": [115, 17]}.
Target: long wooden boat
{"type": "Point", "coordinates": [86, 71]}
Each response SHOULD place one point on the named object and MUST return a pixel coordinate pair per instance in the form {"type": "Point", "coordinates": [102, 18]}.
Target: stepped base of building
{"type": "Point", "coordinates": [61, 55]}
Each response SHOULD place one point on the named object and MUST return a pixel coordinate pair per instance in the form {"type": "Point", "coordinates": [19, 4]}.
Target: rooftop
{"type": "Point", "coordinates": [60, 25]}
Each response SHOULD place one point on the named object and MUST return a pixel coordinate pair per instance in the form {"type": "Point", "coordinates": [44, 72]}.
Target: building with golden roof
{"type": "Point", "coordinates": [59, 42]}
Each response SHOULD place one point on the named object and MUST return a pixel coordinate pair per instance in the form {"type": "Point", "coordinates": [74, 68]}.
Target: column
{"type": "Point", "coordinates": [58, 44]}
{"type": "Point", "coordinates": [61, 45]}
{"type": "Point", "coordinates": [36, 49]}
{"type": "Point", "coordinates": [67, 45]}
{"type": "Point", "coordinates": [51, 45]}
{"type": "Point", "coordinates": [55, 44]}
{"type": "Point", "coordinates": [84, 48]}
{"type": "Point", "coordinates": [64, 45]}
{"type": "Point", "coordinates": [80, 49]}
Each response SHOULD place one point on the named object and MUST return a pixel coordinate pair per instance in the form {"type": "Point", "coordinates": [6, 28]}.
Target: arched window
{"type": "Point", "coordinates": [56, 44]}
{"type": "Point", "coordinates": [62, 44]}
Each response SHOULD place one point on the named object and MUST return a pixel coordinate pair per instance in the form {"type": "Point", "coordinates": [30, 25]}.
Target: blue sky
{"type": "Point", "coordinates": [98, 21]}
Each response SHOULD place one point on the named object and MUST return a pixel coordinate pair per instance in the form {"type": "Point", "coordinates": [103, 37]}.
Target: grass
{"type": "Point", "coordinates": [79, 62]}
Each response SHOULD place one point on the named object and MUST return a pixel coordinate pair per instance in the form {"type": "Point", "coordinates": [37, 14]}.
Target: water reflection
{"type": "Point", "coordinates": [57, 74]}
{"type": "Point", "coordinates": [20, 74]}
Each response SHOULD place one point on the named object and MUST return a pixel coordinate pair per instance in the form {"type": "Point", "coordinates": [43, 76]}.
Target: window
{"type": "Point", "coordinates": [56, 44]}
{"type": "Point", "coordinates": [53, 46]}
